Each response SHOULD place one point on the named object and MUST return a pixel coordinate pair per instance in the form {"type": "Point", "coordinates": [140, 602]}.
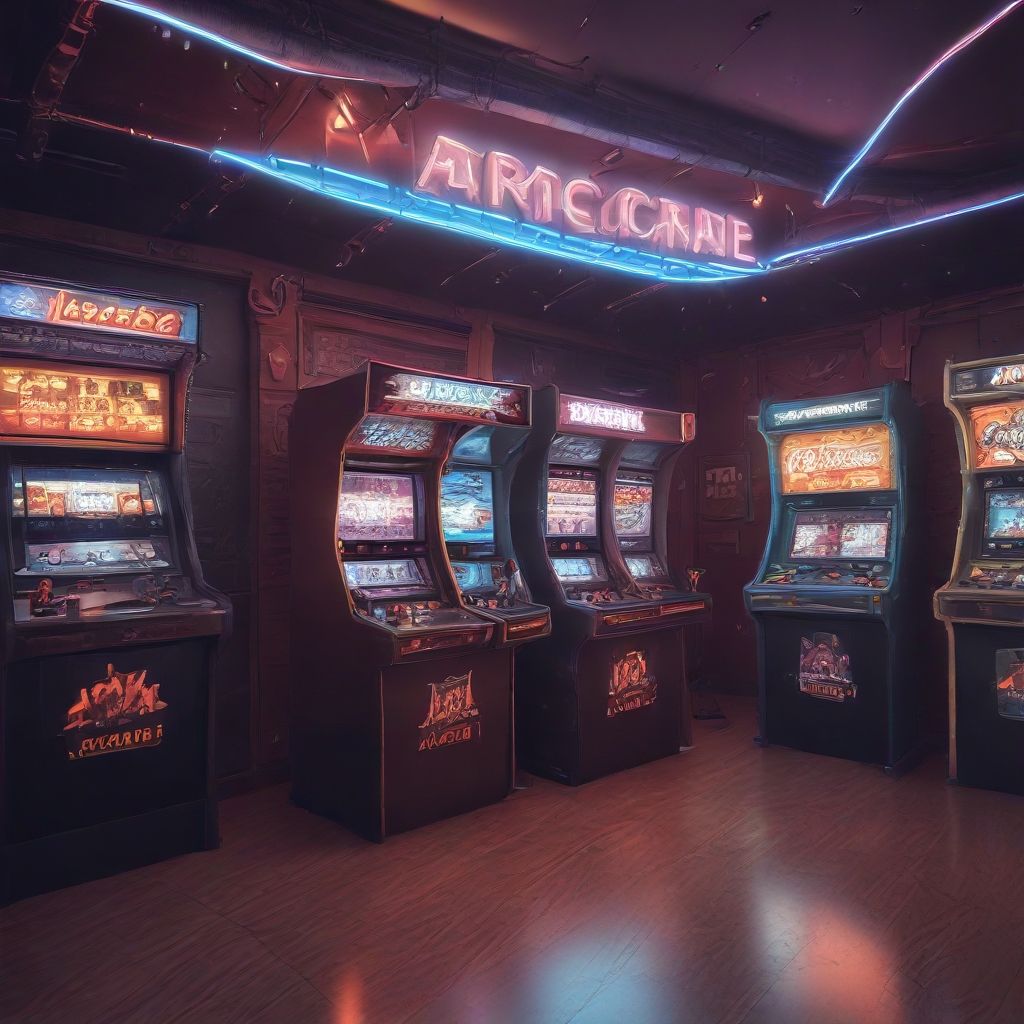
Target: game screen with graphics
{"type": "Point", "coordinates": [634, 503]}
{"type": "Point", "coordinates": [840, 535]}
{"type": "Point", "coordinates": [1004, 515]}
{"type": "Point", "coordinates": [467, 506]}
{"type": "Point", "coordinates": [37, 400]}
{"type": "Point", "coordinates": [474, 575]}
{"type": "Point", "coordinates": [83, 494]}
{"type": "Point", "coordinates": [640, 566]}
{"type": "Point", "coordinates": [376, 507]}
{"type": "Point", "coordinates": [80, 557]}
{"type": "Point", "coordinates": [998, 431]}
{"type": "Point", "coordinates": [578, 570]}
{"type": "Point", "coordinates": [393, 572]}
{"type": "Point", "coordinates": [839, 459]}
{"type": "Point", "coordinates": [572, 505]}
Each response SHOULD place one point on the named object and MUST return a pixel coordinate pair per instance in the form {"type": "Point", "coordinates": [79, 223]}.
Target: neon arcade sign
{"type": "Point", "coordinates": [580, 206]}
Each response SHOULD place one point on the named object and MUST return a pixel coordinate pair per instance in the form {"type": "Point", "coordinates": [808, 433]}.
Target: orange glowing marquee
{"type": "Point", "coordinates": [998, 434]}
{"type": "Point", "coordinates": [840, 459]}
{"type": "Point", "coordinates": [45, 402]}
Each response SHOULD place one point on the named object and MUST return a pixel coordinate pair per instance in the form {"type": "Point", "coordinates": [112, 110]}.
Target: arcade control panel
{"type": "Point", "coordinates": [835, 574]}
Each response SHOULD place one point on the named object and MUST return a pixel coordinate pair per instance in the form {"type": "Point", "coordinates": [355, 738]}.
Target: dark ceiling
{"type": "Point", "coordinates": [828, 70]}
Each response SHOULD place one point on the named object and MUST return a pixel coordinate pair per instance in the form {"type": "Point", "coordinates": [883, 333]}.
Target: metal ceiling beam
{"type": "Point", "coordinates": [48, 87]}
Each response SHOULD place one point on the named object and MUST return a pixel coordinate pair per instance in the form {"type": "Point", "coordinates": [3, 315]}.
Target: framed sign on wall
{"type": "Point", "coordinates": [725, 487]}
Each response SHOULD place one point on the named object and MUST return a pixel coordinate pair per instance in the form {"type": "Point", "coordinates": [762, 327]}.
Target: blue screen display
{"type": "Point", "coordinates": [467, 506]}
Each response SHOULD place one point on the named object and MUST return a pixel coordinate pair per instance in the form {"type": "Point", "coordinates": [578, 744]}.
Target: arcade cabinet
{"type": "Point", "coordinates": [401, 695]}
{"type": "Point", "coordinates": [475, 492]}
{"type": "Point", "coordinates": [607, 690]}
{"type": "Point", "coordinates": [834, 599]}
{"type": "Point", "coordinates": [109, 630]}
{"type": "Point", "coordinates": [640, 500]}
{"type": "Point", "coordinates": [982, 605]}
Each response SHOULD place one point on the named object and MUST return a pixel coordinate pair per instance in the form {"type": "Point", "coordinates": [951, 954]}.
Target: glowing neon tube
{"type": "Point", "coordinates": [957, 47]}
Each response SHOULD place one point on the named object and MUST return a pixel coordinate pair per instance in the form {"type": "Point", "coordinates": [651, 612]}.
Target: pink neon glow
{"type": "Point", "coordinates": [455, 172]}
{"type": "Point", "coordinates": [957, 47]}
{"type": "Point", "coordinates": [536, 195]}
{"type": "Point", "coordinates": [583, 220]}
{"type": "Point", "coordinates": [672, 226]}
{"type": "Point", "coordinates": [451, 165]}
{"type": "Point", "coordinates": [738, 231]}
{"type": "Point", "coordinates": [709, 232]}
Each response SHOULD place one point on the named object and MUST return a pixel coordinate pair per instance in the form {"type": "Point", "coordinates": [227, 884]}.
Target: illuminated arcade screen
{"type": "Point", "coordinates": [578, 570]}
{"type": "Point", "coordinates": [998, 434]}
{"type": "Point", "coordinates": [1004, 515]}
{"type": "Point", "coordinates": [839, 459]}
{"type": "Point", "coordinates": [376, 507]}
{"type": "Point", "coordinates": [840, 535]}
{"type": "Point", "coordinates": [467, 506]}
{"type": "Point", "coordinates": [572, 506]}
{"type": "Point", "coordinates": [66, 493]}
{"type": "Point", "coordinates": [393, 572]}
{"type": "Point", "coordinates": [634, 501]}
{"type": "Point", "coordinates": [81, 402]}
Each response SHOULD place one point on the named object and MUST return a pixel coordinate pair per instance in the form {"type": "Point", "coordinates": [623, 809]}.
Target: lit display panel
{"type": "Point", "coordinates": [578, 570]}
{"type": "Point", "coordinates": [376, 507]}
{"type": "Point", "coordinates": [475, 575]}
{"type": "Point", "coordinates": [572, 506]}
{"type": "Point", "coordinates": [85, 499]}
{"type": "Point", "coordinates": [69, 494]}
{"type": "Point", "coordinates": [840, 535]}
{"type": "Point", "coordinates": [392, 572]}
{"type": "Point", "coordinates": [640, 566]}
{"type": "Point", "coordinates": [633, 502]}
{"type": "Point", "coordinates": [998, 432]}
{"type": "Point", "coordinates": [1004, 515]}
{"type": "Point", "coordinates": [394, 434]}
{"type": "Point", "coordinates": [83, 557]}
{"type": "Point", "coordinates": [467, 506]}
{"type": "Point", "coordinates": [840, 459]}
{"type": "Point", "coordinates": [81, 402]}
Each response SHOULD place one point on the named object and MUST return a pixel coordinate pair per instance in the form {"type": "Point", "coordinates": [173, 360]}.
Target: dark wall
{"type": "Point", "coordinates": [912, 345]}
{"type": "Point", "coordinates": [217, 446]}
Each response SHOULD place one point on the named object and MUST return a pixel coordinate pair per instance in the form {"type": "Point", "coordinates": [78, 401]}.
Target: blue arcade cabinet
{"type": "Point", "coordinates": [837, 611]}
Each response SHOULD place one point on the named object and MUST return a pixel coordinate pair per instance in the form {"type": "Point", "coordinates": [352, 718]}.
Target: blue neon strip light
{"type": "Point", "coordinates": [394, 201]}
{"type": "Point", "coordinates": [957, 47]}
{"type": "Point", "coordinates": [799, 255]}
{"type": "Point", "coordinates": [195, 32]}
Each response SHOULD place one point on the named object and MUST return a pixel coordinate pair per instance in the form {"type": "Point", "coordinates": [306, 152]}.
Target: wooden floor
{"type": "Point", "coordinates": [729, 884]}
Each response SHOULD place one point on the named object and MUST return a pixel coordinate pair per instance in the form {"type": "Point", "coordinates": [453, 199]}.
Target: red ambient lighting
{"type": "Point", "coordinates": [581, 206]}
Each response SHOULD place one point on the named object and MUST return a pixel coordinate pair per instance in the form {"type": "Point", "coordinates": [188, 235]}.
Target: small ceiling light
{"type": "Point", "coordinates": [612, 157]}
{"type": "Point", "coordinates": [343, 120]}
{"type": "Point", "coordinates": [758, 201]}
